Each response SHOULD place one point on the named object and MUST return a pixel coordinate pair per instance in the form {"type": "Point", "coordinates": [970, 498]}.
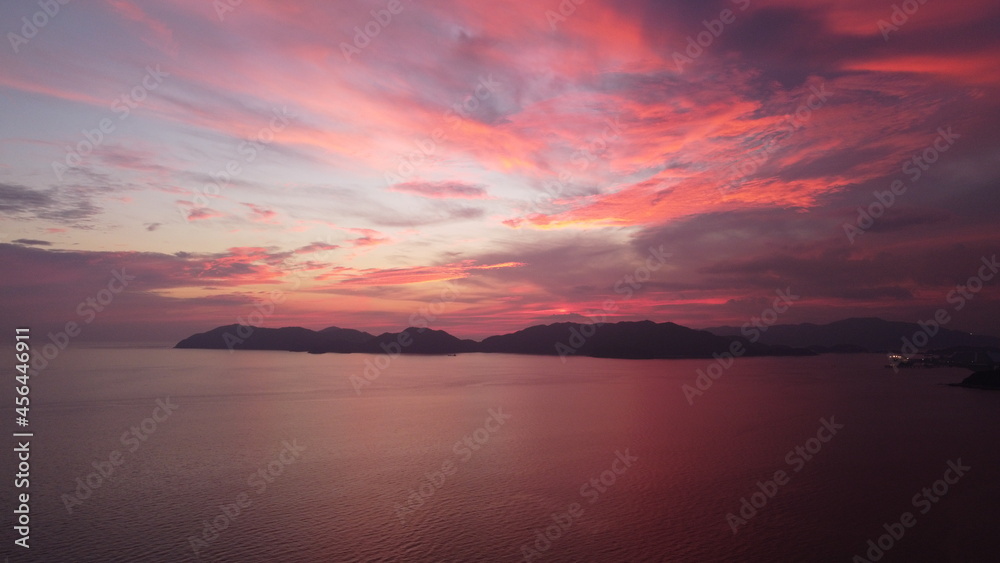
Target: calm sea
{"type": "Point", "coordinates": [198, 455]}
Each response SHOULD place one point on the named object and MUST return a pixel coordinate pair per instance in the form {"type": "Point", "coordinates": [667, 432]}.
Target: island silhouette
{"type": "Point", "coordinates": [626, 340]}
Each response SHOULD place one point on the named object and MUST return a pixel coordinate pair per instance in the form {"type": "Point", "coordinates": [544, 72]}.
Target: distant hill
{"type": "Point", "coordinates": [858, 335]}
{"type": "Point", "coordinates": [292, 339]}
{"type": "Point", "coordinates": [638, 340]}
{"type": "Point", "coordinates": [346, 334]}
{"type": "Point", "coordinates": [418, 341]}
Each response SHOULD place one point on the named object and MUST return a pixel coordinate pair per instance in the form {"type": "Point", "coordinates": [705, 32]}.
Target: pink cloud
{"type": "Point", "coordinates": [261, 214]}
{"type": "Point", "coordinates": [203, 214]}
{"type": "Point", "coordinates": [316, 247]}
{"type": "Point", "coordinates": [369, 237]}
{"type": "Point", "coordinates": [441, 190]}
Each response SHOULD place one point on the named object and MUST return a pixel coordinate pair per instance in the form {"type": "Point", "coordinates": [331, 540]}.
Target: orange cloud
{"type": "Point", "coordinates": [419, 274]}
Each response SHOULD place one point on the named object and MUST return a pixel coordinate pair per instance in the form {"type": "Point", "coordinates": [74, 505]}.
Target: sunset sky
{"type": "Point", "coordinates": [508, 163]}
